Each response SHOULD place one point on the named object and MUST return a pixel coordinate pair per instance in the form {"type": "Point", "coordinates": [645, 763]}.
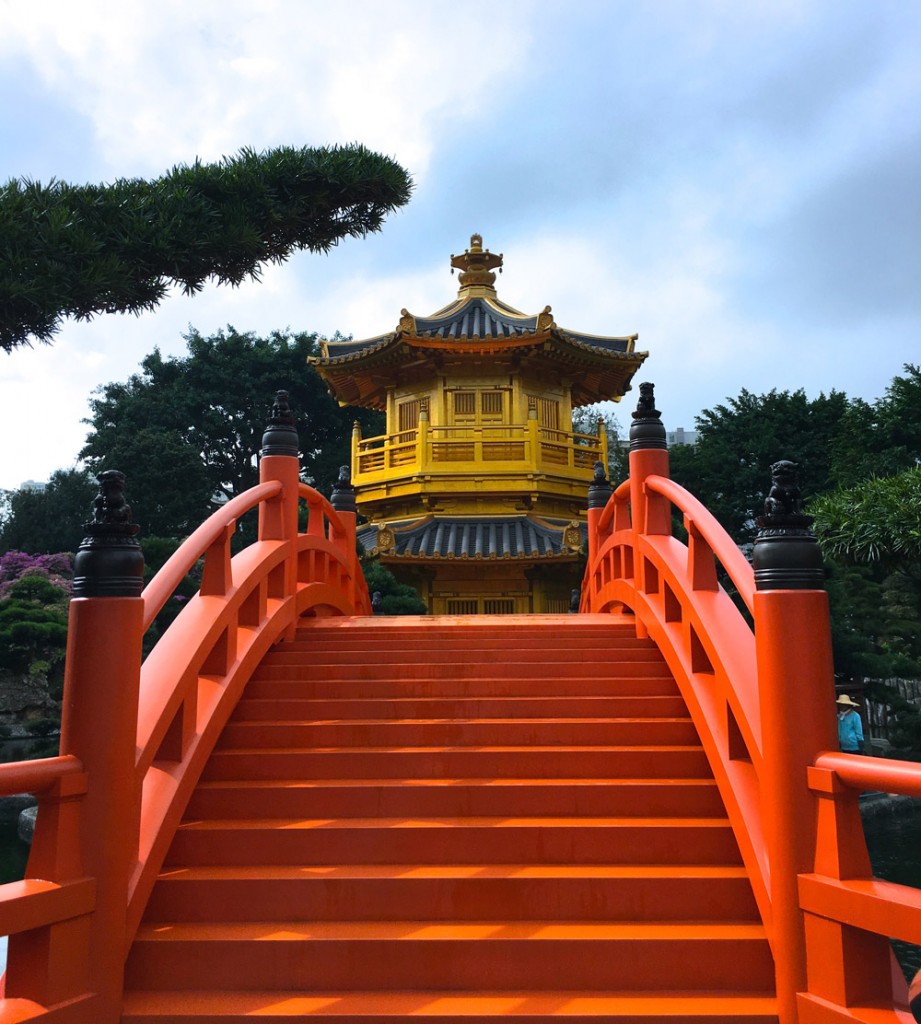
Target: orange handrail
{"type": "Point", "coordinates": [762, 699]}
{"type": "Point", "coordinates": [174, 570]}
{"type": "Point", "coordinates": [882, 775]}
{"type": "Point", "coordinates": [36, 776]}
{"type": "Point", "coordinates": [705, 640]}
{"type": "Point", "coordinates": [698, 519]}
{"type": "Point", "coordinates": [135, 736]}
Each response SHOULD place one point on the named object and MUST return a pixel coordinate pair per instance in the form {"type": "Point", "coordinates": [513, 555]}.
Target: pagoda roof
{"type": "Point", "coordinates": [450, 537]}
{"type": "Point", "coordinates": [471, 320]}
{"type": "Point", "coordinates": [477, 323]}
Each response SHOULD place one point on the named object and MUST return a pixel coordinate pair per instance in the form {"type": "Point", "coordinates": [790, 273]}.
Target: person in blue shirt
{"type": "Point", "coordinates": [850, 728]}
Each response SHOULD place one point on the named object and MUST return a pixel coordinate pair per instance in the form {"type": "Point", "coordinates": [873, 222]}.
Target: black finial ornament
{"type": "Point", "coordinates": [343, 496]}
{"type": "Point", "coordinates": [377, 603]}
{"type": "Point", "coordinates": [786, 555]}
{"type": "Point", "coordinates": [599, 491]}
{"type": "Point", "coordinates": [575, 599]}
{"type": "Point", "coordinates": [280, 435]}
{"type": "Point", "coordinates": [647, 429]}
{"type": "Point", "coordinates": [109, 561]}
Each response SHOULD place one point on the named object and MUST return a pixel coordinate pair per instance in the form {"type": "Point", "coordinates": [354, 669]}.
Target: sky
{"type": "Point", "coordinates": [737, 183]}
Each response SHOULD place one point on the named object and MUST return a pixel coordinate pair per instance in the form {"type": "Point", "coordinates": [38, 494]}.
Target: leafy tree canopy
{"type": "Point", "coordinates": [33, 615]}
{"type": "Point", "coordinates": [878, 520]}
{"type": "Point", "coordinates": [729, 468]}
{"type": "Point", "coordinates": [859, 467]}
{"type": "Point", "coordinates": [884, 438]}
{"type": "Point", "coordinates": [187, 430]}
{"type": "Point", "coordinates": [48, 520]}
{"type": "Point", "coordinates": [80, 250]}
{"type": "Point", "coordinates": [396, 598]}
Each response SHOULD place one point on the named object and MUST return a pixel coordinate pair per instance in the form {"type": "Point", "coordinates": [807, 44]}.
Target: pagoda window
{"type": "Point", "coordinates": [492, 406]}
{"type": "Point", "coordinates": [409, 414]}
{"type": "Point", "coordinates": [464, 405]}
{"type": "Point", "coordinates": [470, 407]}
{"type": "Point", "coordinates": [548, 413]}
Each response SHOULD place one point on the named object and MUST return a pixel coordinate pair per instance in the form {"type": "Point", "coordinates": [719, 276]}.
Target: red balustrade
{"type": "Point", "coordinates": [757, 675]}
{"type": "Point", "coordinates": [135, 737]}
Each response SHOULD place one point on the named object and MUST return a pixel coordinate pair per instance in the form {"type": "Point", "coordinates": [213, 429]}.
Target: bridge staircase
{"type": "Point", "coordinates": [293, 808]}
{"type": "Point", "coordinates": [455, 819]}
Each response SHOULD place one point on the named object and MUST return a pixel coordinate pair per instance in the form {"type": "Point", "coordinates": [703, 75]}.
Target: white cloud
{"type": "Point", "coordinates": [667, 175]}
{"type": "Point", "coordinates": [167, 82]}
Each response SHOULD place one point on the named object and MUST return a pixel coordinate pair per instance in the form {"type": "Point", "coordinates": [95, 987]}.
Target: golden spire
{"type": "Point", "coordinates": [476, 267]}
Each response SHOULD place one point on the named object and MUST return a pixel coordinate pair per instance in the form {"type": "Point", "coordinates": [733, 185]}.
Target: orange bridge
{"type": "Point", "coordinates": [295, 809]}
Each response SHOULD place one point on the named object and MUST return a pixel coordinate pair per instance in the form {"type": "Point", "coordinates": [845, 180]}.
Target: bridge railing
{"type": "Point", "coordinates": [135, 737]}
{"type": "Point", "coordinates": [757, 676]}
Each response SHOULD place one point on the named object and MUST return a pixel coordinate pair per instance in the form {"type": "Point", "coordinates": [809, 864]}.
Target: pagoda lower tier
{"type": "Point", "coordinates": [492, 565]}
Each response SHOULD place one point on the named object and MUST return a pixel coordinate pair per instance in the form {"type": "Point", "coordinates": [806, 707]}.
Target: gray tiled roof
{"type": "Point", "coordinates": [465, 537]}
{"type": "Point", "coordinates": [475, 318]}
{"type": "Point", "coordinates": [596, 341]}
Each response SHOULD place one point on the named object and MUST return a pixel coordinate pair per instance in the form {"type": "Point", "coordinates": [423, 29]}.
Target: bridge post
{"type": "Point", "coordinates": [343, 501]}
{"type": "Point", "coordinates": [650, 513]}
{"type": "Point", "coordinates": [599, 494]}
{"type": "Point", "coordinates": [99, 727]}
{"type": "Point", "coordinates": [796, 693]}
{"type": "Point", "coordinates": [280, 460]}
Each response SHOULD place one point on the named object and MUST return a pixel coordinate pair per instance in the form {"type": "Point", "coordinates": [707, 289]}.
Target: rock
{"type": "Point", "coordinates": [26, 827]}
{"type": "Point", "coordinates": [12, 806]}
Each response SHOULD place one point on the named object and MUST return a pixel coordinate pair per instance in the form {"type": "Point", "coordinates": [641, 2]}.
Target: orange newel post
{"type": "Point", "coordinates": [796, 692]}
{"type": "Point", "coordinates": [280, 460]}
{"type": "Point", "coordinates": [650, 513]}
{"type": "Point", "coordinates": [343, 501]}
{"type": "Point", "coordinates": [599, 494]}
{"type": "Point", "coordinates": [99, 726]}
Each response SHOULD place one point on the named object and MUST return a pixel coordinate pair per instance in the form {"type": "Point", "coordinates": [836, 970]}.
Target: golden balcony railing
{"type": "Point", "coordinates": [431, 450]}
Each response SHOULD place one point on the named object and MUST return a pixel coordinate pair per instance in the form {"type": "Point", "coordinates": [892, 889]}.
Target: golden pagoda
{"type": "Point", "coordinates": [476, 494]}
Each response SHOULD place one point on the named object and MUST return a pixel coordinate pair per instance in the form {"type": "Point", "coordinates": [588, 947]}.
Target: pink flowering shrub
{"type": "Point", "coordinates": [58, 569]}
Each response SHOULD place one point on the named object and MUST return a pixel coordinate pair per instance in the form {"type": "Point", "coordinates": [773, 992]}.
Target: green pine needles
{"type": "Point", "coordinates": [80, 250]}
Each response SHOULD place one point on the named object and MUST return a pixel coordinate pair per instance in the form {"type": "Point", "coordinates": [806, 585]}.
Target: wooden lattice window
{"type": "Point", "coordinates": [456, 607]}
{"type": "Point", "coordinates": [464, 403]}
{"type": "Point", "coordinates": [548, 413]}
{"type": "Point", "coordinates": [499, 606]}
{"type": "Point", "coordinates": [409, 414]}
{"type": "Point", "coordinates": [491, 403]}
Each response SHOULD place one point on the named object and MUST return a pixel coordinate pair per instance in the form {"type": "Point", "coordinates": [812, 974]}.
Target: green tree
{"type": "Point", "coordinates": [80, 250]}
{"type": "Point", "coordinates": [397, 598]}
{"type": "Point", "coordinates": [729, 469]}
{"type": "Point", "coordinates": [882, 439]}
{"type": "Point", "coordinates": [875, 527]}
{"type": "Point", "coordinates": [33, 625]}
{"type": "Point", "coordinates": [49, 520]}
{"type": "Point", "coordinates": [187, 430]}
{"type": "Point", "coordinates": [878, 520]}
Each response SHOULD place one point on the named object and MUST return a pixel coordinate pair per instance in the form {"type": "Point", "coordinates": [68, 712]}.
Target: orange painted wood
{"type": "Point", "coordinates": [477, 813]}
{"type": "Point", "coordinates": [34, 902]}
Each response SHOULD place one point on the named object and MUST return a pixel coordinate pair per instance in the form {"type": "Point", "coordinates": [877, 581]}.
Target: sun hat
{"type": "Point", "coordinates": [846, 701]}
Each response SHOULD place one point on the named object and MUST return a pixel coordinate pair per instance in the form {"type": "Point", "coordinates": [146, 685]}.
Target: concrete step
{"type": "Point", "coordinates": [473, 732]}
{"type": "Point", "coordinates": [505, 762]}
{"type": "Point", "coordinates": [437, 892]}
{"type": "Point", "coordinates": [393, 955]}
{"type": "Point", "coordinates": [449, 1007]}
{"type": "Point", "coordinates": [458, 797]}
{"type": "Point", "coordinates": [430, 840]}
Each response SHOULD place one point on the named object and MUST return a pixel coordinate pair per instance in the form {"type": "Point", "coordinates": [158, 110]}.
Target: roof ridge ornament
{"type": "Point", "coordinates": [407, 324]}
{"type": "Point", "coordinates": [476, 266]}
